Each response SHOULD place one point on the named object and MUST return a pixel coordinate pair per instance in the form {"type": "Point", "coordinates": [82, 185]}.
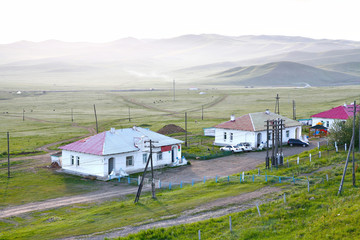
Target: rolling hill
{"type": "Point", "coordinates": [128, 62]}
{"type": "Point", "coordinates": [288, 74]}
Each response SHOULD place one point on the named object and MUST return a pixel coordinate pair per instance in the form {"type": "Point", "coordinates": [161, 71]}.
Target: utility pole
{"type": "Point", "coordinates": [186, 129]}
{"type": "Point", "coordinates": [346, 164]}
{"type": "Point", "coordinates": [353, 147]}
{"type": "Point", "coordinates": [281, 143]}
{"type": "Point", "coordinates": [23, 114]}
{"type": "Point", "coordinates": [97, 129]}
{"type": "Point", "coordinates": [277, 105]}
{"type": "Point", "coordinates": [202, 112]}
{"type": "Point", "coordinates": [294, 110]}
{"type": "Point", "coordinates": [129, 115]}
{"type": "Point", "coordinates": [8, 147]}
{"type": "Point", "coordinates": [273, 143]}
{"type": "Point", "coordinates": [267, 162]}
{"type": "Point", "coordinates": [72, 115]}
{"type": "Point", "coordinates": [143, 176]}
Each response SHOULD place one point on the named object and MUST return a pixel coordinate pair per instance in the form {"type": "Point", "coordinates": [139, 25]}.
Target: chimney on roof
{"type": "Point", "coordinates": [345, 105]}
{"type": "Point", "coordinates": [232, 118]}
{"type": "Point", "coordinates": [112, 130]}
{"type": "Point", "coordinates": [267, 112]}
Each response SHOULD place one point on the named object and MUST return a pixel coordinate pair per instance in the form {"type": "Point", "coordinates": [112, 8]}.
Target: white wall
{"type": "Point", "coordinates": [98, 165]}
{"type": "Point", "coordinates": [250, 137]}
{"type": "Point", "coordinates": [325, 120]}
{"type": "Point", "coordinates": [238, 137]}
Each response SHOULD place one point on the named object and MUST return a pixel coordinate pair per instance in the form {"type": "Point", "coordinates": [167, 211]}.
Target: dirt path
{"type": "Point", "coordinates": [223, 207]}
{"type": "Point", "coordinates": [65, 201]}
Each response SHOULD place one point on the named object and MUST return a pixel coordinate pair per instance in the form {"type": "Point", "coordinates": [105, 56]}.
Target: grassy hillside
{"type": "Point", "coordinates": [348, 67]}
{"type": "Point", "coordinates": [282, 74]}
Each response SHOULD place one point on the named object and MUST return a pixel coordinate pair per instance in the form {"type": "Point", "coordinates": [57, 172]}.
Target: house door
{"type": "Point", "coordinates": [110, 165]}
{"type": "Point", "coordinates": [258, 141]}
{"type": "Point", "coordinates": [173, 154]}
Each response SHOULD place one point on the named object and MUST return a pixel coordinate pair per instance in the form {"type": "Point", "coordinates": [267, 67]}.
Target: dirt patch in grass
{"type": "Point", "coordinates": [170, 129]}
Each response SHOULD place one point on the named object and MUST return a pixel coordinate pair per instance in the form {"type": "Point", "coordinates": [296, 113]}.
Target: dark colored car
{"type": "Point", "coordinates": [297, 142]}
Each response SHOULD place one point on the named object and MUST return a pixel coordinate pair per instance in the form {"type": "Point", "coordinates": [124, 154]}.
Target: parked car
{"type": "Point", "coordinates": [231, 148]}
{"type": "Point", "coordinates": [297, 142]}
{"type": "Point", "coordinates": [246, 147]}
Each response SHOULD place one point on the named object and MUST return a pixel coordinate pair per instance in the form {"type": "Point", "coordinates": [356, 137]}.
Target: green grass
{"type": "Point", "coordinates": [93, 217]}
{"type": "Point", "coordinates": [320, 214]}
{"type": "Point", "coordinates": [155, 109]}
{"type": "Point", "coordinates": [38, 184]}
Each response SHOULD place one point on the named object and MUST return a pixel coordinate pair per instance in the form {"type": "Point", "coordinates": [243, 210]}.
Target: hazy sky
{"type": "Point", "coordinates": [108, 20]}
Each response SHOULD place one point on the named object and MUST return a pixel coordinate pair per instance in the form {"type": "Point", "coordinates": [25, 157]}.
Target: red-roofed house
{"type": "Point", "coordinates": [119, 152]}
{"type": "Point", "coordinates": [340, 113]}
{"type": "Point", "coordinates": [251, 128]}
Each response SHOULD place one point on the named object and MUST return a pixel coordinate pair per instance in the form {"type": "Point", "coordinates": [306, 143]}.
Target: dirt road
{"type": "Point", "coordinates": [214, 209]}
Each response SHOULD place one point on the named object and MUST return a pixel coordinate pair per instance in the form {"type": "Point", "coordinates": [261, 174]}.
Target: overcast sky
{"type": "Point", "coordinates": [108, 20]}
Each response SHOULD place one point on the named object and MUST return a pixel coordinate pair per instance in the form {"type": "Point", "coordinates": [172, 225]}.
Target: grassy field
{"type": "Point", "coordinates": [48, 115]}
{"type": "Point", "coordinates": [288, 221]}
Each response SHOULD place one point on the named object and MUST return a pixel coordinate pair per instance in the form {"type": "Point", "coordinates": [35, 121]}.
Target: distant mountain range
{"type": "Point", "coordinates": [190, 59]}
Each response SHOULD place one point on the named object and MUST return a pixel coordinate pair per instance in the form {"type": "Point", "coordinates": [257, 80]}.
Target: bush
{"type": "Point", "coordinates": [341, 132]}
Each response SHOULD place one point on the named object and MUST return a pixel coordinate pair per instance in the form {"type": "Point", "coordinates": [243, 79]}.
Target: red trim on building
{"type": "Point", "coordinates": [166, 148]}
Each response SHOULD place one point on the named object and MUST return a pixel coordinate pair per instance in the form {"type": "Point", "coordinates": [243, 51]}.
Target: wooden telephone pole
{"type": "Point", "coordinates": [277, 105]}
{"type": "Point", "coordinates": [143, 176]}
{"type": "Point", "coordinates": [97, 129]}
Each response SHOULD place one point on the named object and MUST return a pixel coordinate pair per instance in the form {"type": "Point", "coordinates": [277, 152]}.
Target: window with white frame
{"type": "Point", "coordinates": [144, 158]}
{"type": "Point", "coordinates": [224, 136]}
{"type": "Point", "coordinates": [129, 161]}
{"type": "Point", "coordinates": [287, 133]}
{"type": "Point", "coordinates": [77, 161]}
{"type": "Point", "coordinates": [231, 137]}
{"type": "Point", "coordinates": [327, 124]}
{"type": "Point", "coordinates": [270, 134]}
{"type": "Point", "coordinates": [72, 160]}
{"type": "Point", "coordinates": [159, 156]}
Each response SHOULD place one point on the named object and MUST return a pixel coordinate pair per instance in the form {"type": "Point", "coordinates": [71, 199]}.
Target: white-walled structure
{"type": "Point", "coordinates": [251, 128]}
{"type": "Point", "coordinates": [340, 113]}
{"type": "Point", "coordinates": [119, 152]}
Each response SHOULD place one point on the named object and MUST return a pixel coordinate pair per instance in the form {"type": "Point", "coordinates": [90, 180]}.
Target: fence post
{"type": "Point", "coordinates": [279, 179]}
{"type": "Point", "coordinates": [327, 177]}
{"type": "Point", "coordinates": [119, 178]}
{"type": "Point", "coordinates": [216, 179]}
{"type": "Point", "coordinates": [169, 185]}
{"type": "Point", "coordinates": [230, 224]}
{"type": "Point", "coordinates": [204, 179]}
{"type": "Point", "coordinates": [240, 178]}
{"type": "Point", "coordinates": [253, 178]}
{"type": "Point", "coordinates": [319, 154]}
{"type": "Point", "coordinates": [258, 171]}
{"type": "Point", "coordinates": [318, 145]}
{"type": "Point", "coordinates": [139, 180]}
{"type": "Point", "coordinates": [129, 180]}
{"type": "Point", "coordinates": [159, 183]}
{"type": "Point", "coordinates": [192, 182]}
{"type": "Point", "coordinates": [265, 177]}
{"type": "Point", "coordinates": [199, 234]}
{"type": "Point", "coordinates": [308, 184]}
{"type": "Point", "coordinates": [345, 147]}
{"type": "Point", "coordinates": [181, 184]}
{"type": "Point", "coordinates": [243, 177]}
{"type": "Point", "coordinates": [257, 206]}
{"type": "Point", "coordinates": [284, 197]}
{"type": "Point", "coordinates": [310, 157]}
{"type": "Point", "coordinates": [228, 179]}
{"type": "Point", "coordinates": [336, 148]}
{"type": "Point", "coordinates": [298, 160]}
